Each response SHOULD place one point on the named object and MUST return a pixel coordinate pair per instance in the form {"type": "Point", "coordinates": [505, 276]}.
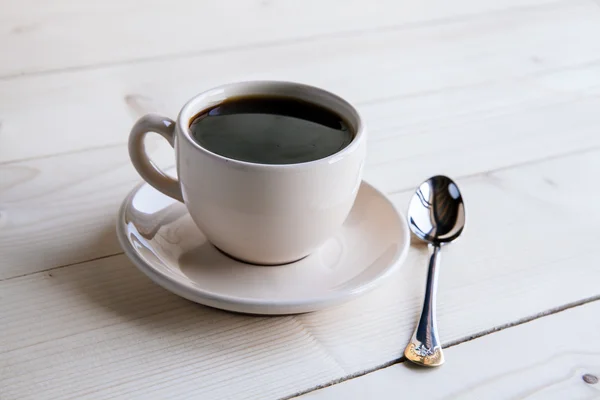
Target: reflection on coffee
{"type": "Point", "coordinates": [270, 130]}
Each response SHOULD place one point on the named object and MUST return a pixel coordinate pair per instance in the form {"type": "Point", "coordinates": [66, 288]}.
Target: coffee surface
{"type": "Point", "coordinates": [270, 130]}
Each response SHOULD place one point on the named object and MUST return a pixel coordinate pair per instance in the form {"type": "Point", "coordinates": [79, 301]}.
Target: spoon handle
{"type": "Point", "coordinates": [424, 347]}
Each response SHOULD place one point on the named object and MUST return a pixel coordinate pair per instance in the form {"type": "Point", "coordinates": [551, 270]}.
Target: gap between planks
{"type": "Point", "coordinates": [453, 343]}
{"type": "Point", "coordinates": [395, 192]}
{"type": "Point", "coordinates": [513, 166]}
{"type": "Point", "coordinates": [515, 78]}
{"type": "Point", "coordinates": [263, 45]}
{"type": "Point", "coordinates": [65, 265]}
{"type": "Point", "coordinates": [382, 100]}
{"type": "Point", "coordinates": [63, 153]}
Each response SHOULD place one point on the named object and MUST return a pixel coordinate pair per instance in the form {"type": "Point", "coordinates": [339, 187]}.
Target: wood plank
{"type": "Point", "coordinates": [38, 36]}
{"type": "Point", "coordinates": [543, 359]}
{"type": "Point", "coordinates": [101, 329]}
{"type": "Point", "coordinates": [69, 111]}
{"type": "Point", "coordinates": [112, 327]}
{"type": "Point", "coordinates": [61, 210]}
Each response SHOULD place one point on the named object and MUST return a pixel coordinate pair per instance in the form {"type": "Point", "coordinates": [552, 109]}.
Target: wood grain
{"type": "Point", "coordinates": [543, 359]}
{"type": "Point", "coordinates": [74, 110]}
{"type": "Point", "coordinates": [112, 327]}
{"type": "Point", "coordinates": [100, 329]}
{"type": "Point", "coordinates": [37, 36]}
{"type": "Point", "coordinates": [61, 210]}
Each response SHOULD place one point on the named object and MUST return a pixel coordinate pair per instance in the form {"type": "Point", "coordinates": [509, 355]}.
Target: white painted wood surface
{"type": "Point", "coordinates": [544, 359]}
{"type": "Point", "coordinates": [379, 71]}
{"type": "Point", "coordinates": [501, 94]}
{"type": "Point", "coordinates": [38, 36]}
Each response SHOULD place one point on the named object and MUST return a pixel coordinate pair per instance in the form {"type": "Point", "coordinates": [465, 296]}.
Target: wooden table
{"type": "Point", "coordinates": [502, 95]}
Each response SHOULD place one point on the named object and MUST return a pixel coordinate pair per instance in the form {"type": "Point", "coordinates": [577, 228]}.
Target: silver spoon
{"type": "Point", "coordinates": [436, 215]}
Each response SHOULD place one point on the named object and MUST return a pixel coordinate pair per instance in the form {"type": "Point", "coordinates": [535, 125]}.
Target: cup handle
{"type": "Point", "coordinates": [139, 158]}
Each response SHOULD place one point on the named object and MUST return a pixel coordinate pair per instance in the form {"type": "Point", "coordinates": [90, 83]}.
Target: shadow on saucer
{"type": "Point", "coordinates": [211, 258]}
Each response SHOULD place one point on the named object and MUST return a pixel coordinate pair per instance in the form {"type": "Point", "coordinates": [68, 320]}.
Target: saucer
{"type": "Point", "coordinates": [159, 236]}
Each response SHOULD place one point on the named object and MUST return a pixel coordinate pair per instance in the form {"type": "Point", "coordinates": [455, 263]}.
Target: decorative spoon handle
{"type": "Point", "coordinates": [424, 347]}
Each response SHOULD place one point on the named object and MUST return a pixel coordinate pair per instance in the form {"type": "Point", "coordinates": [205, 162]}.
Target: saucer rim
{"type": "Point", "coordinates": [259, 307]}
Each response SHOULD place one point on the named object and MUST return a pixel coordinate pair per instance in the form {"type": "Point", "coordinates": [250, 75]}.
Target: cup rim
{"type": "Point", "coordinates": [198, 103]}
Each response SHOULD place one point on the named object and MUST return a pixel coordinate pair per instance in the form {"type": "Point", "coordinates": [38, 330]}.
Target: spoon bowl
{"type": "Point", "coordinates": [436, 213]}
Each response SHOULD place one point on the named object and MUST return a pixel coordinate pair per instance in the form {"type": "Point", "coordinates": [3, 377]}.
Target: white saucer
{"type": "Point", "coordinates": [158, 234]}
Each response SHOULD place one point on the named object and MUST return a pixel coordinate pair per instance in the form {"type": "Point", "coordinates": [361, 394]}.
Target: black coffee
{"type": "Point", "coordinates": [270, 130]}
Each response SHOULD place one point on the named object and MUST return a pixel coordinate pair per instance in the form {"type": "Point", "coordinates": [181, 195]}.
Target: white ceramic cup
{"type": "Point", "coordinates": [259, 213]}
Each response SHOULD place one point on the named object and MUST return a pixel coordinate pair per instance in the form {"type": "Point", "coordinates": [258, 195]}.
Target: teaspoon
{"type": "Point", "coordinates": [436, 215]}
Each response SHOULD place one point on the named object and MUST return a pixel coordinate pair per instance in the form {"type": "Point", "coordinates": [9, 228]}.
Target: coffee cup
{"type": "Point", "coordinates": [267, 212]}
